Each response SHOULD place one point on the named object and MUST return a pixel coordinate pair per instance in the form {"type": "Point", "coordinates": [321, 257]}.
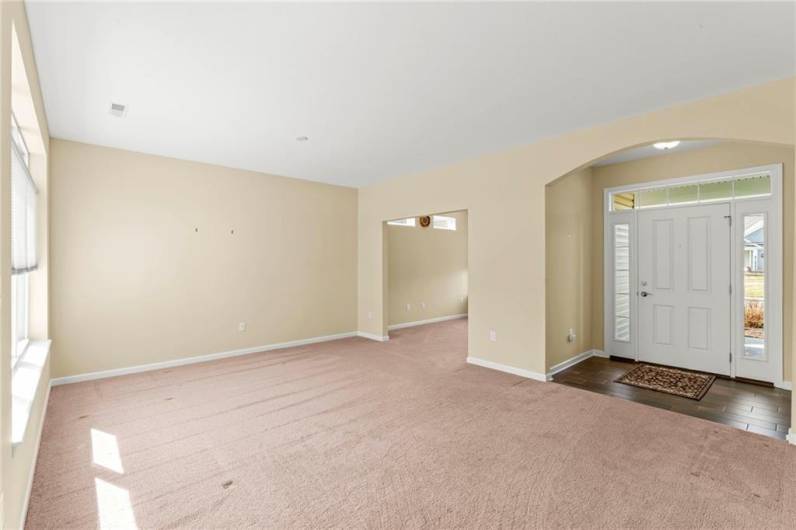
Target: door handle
{"type": "Point", "coordinates": [645, 294]}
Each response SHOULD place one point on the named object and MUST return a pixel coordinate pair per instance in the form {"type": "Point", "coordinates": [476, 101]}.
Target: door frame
{"type": "Point", "coordinates": [775, 259]}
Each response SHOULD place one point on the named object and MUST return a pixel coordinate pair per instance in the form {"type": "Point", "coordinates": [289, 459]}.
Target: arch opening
{"type": "Point", "coordinates": [575, 245]}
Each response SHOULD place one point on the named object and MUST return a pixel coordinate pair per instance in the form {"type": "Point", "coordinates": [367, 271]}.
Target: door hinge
{"type": "Point", "coordinates": [729, 219]}
{"type": "Point", "coordinates": [730, 288]}
{"type": "Point", "coordinates": [730, 357]}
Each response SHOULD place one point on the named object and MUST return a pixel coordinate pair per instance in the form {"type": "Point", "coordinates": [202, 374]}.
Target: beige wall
{"type": "Point", "coordinates": [134, 282]}
{"type": "Point", "coordinates": [568, 239]}
{"type": "Point", "coordinates": [427, 266]}
{"type": "Point", "coordinates": [19, 86]}
{"type": "Point", "coordinates": [722, 157]}
{"type": "Point", "coordinates": [504, 194]}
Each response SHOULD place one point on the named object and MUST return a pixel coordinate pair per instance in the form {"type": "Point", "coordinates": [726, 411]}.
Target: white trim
{"type": "Point", "coordinates": [427, 321]}
{"type": "Point", "coordinates": [791, 437]}
{"type": "Point", "coordinates": [536, 376]}
{"type": "Point", "coordinates": [784, 385]}
{"type": "Point", "coordinates": [26, 380]}
{"type": "Point", "coordinates": [372, 336]}
{"type": "Point", "coordinates": [572, 361]}
{"type": "Point", "coordinates": [91, 376]}
{"type": "Point", "coordinates": [29, 489]}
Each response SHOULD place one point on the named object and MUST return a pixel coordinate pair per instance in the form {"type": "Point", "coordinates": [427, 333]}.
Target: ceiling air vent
{"type": "Point", "coordinates": [118, 110]}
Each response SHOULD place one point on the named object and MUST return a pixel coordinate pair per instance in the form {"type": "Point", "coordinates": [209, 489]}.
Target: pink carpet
{"type": "Point", "coordinates": [358, 434]}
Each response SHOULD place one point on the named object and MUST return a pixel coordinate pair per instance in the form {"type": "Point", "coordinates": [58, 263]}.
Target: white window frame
{"type": "Point", "coordinates": [774, 250]}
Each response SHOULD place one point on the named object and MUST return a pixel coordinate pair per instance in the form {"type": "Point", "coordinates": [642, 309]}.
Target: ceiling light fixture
{"type": "Point", "coordinates": [666, 145]}
{"type": "Point", "coordinates": [302, 138]}
{"type": "Point", "coordinates": [118, 110]}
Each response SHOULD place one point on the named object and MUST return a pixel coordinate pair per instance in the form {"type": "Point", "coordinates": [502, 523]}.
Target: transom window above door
{"type": "Point", "coordinates": [745, 187]}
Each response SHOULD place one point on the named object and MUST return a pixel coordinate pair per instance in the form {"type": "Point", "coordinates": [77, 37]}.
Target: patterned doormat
{"type": "Point", "coordinates": [690, 385]}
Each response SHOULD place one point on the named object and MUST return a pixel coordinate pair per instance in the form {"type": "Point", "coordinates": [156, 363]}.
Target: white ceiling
{"type": "Point", "coordinates": [647, 151]}
{"type": "Point", "coordinates": [383, 89]}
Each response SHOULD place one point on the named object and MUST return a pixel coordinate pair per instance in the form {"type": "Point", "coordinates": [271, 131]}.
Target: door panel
{"type": "Point", "coordinates": [684, 287]}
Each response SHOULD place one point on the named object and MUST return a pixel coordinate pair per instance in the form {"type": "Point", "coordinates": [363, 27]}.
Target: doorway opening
{"type": "Point", "coordinates": [427, 280]}
{"type": "Point", "coordinates": [693, 273]}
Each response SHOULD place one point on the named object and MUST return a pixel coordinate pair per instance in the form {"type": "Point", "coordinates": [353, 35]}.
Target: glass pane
{"type": "Point", "coordinates": [442, 222]}
{"type": "Point", "coordinates": [681, 194]}
{"type": "Point", "coordinates": [750, 186]}
{"type": "Point", "coordinates": [714, 191]}
{"type": "Point", "coordinates": [622, 307]}
{"type": "Point", "coordinates": [622, 329]}
{"type": "Point", "coordinates": [622, 258]}
{"type": "Point", "coordinates": [623, 201]}
{"type": "Point", "coordinates": [410, 221]}
{"type": "Point", "coordinates": [622, 282]}
{"type": "Point", "coordinates": [655, 197]}
{"type": "Point", "coordinates": [754, 240]}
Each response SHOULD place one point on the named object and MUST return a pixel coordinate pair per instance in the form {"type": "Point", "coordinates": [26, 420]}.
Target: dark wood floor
{"type": "Point", "coordinates": [760, 409]}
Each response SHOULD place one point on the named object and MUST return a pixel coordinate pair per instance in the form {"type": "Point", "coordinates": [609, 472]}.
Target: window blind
{"type": "Point", "coordinates": [24, 196]}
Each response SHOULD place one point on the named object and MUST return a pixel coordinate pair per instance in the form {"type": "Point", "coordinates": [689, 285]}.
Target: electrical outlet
{"type": "Point", "coordinates": [493, 335]}
{"type": "Point", "coordinates": [422, 305]}
{"type": "Point", "coordinates": [571, 335]}
{"type": "Point", "coordinates": [408, 307]}
{"type": "Point", "coordinates": [370, 315]}
{"type": "Point", "coordinates": [241, 326]}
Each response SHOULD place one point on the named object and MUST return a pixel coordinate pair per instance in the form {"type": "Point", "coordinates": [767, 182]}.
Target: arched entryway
{"type": "Point", "coordinates": [605, 230]}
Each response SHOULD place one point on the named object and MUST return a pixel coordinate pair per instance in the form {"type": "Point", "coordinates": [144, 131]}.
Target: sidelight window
{"type": "Point", "coordinates": [754, 280]}
{"type": "Point", "coordinates": [622, 282]}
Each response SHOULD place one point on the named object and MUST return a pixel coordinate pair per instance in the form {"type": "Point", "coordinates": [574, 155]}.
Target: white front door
{"type": "Point", "coordinates": [684, 299]}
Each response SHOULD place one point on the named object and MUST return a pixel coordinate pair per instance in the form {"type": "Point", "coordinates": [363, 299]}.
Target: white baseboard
{"type": "Point", "coordinates": [536, 376]}
{"type": "Point", "coordinates": [29, 489]}
{"type": "Point", "coordinates": [600, 353]}
{"type": "Point", "coordinates": [572, 361]}
{"type": "Point", "coordinates": [373, 336]}
{"type": "Point", "coordinates": [784, 385]}
{"type": "Point", "coordinates": [90, 376]}
{"type": "Point", "coordinates": [427, 321]}
{"type": "Point", "coordinates": [791, 437]}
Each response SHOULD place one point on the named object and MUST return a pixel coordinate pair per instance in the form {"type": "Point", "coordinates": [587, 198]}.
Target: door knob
{"type": "Point", "coordinates": [645, 294]}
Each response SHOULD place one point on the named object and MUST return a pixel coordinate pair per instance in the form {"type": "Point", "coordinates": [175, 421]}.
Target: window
{"type": "Point", "coordinates": [757, 186]}
{"type": "Point", "coordinates": [409, 221]}
{"type": "Point", "coordinates": [653, 197]}
{"type": "Point", "coordinates": [718, 190]}
{"type": "Point", "coordinates": [24, 255]}
{"type": "Point", "coordinates": [754, 284]}
{"type": "Point", "coordinates": [623, 201]}
{"type": "Point", "coordinates": [622, 282]}
{"type": "Point", "coordinates": [443, 222]}
{"type": "Point", "coordinates": [684, 194]}
{"type": "Point", "coordinates": [715, 191]}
